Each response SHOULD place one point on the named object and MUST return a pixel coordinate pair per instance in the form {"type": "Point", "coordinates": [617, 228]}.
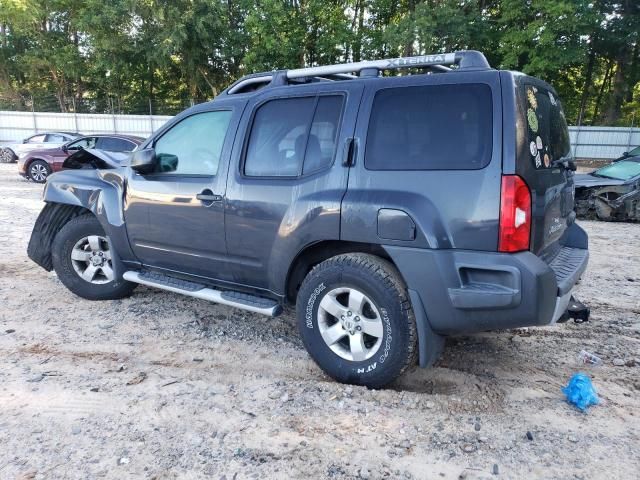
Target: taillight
{"type": "Point", "coordinates": [515, 215]}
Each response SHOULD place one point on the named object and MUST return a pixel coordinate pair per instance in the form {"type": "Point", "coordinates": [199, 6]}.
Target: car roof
{"type": "Point", "coordinates": [133, 138]}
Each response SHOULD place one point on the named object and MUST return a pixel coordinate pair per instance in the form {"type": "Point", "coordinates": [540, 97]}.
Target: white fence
{"type": "Point", "coordinates": [603, 142]}
{"type": "Point", "coordinates": [586, 142]}
{"type": "Point", "coordinates": [19, 125]}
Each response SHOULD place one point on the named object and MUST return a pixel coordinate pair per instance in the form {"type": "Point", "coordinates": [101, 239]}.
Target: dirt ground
{"type": "Point", "coordinates": [161, 386]}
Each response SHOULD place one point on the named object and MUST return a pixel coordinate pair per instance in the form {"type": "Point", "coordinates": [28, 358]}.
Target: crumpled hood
{"type": "Point", "coordinates": [93, 158]}
{"type": "Point", "coordinates": [588, 180]}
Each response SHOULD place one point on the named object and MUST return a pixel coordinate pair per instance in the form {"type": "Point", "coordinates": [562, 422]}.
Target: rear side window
{"type": "Point", "coordinates": [293, 136]}
{"type": "Point", "coordinates": [434, 127]}
{"type": "Point", "coordinates": [547, 127]}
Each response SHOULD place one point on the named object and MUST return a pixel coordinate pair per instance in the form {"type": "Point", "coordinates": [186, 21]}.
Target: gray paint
{"type": "Point", "coordinates": [432, 224]}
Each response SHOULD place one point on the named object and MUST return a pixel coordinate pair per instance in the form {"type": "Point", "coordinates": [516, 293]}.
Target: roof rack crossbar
{"type": "Point", "coordinates": [466, 59]}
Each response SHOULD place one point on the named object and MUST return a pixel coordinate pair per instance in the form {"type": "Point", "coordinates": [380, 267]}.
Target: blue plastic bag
{"type": "Point", "coordinates": [580, 391]}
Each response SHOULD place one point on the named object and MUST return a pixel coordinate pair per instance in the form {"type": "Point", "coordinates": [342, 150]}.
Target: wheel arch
{"type": "Point", "coordinates": [315, 253]}
{"type": "Point", "coordinates": [51, 219]}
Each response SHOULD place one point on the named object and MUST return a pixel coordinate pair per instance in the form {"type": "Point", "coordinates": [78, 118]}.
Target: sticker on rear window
{"type": "Point", "coordinates": [531, 96]}
{"type": "Point", "coordinates": [532, 118]}
{"type": "Point", "coordinates": [533, 149]}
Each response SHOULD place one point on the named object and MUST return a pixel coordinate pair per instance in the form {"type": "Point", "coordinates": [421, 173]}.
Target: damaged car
{"type": "Point", "coordinates": [610, 193]}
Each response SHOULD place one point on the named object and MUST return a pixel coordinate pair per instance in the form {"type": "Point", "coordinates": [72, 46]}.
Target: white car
{"type": "Point", "coordinates": [11, 152]}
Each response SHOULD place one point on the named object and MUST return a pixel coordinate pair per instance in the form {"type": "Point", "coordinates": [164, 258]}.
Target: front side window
{"type": "Point", "coordinates": [193, 146]}
{"type": "Point", "coordinates": [432, 127]}
{"type": "Point", "coordinates": [293, 136]}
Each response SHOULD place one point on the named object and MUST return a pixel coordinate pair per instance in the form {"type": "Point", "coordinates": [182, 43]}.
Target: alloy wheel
{"type": "Point", "coordinates": [350, 324]}
{"type": "Point", "coordinates": [38, 172]}
{"type": "Point", "coordinates": [91, 259]}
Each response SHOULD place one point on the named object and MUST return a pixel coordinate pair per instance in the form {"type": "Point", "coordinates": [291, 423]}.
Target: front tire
{"type": "Point", "coordinates": [38, 171]}
{"type": "Point", "coordinates": [356, 320]}
{"type": "Point", "coordinates": [84, 261]}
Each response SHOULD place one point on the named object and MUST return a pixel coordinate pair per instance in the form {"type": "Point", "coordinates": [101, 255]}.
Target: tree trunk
{"type": "Point", "coordinates": [586, 87]}
{"type": "Point", "coordinates": [614, 108]}
{"type": "Point", "coordinates": [634, 72]}
{"type": "Point", "coordinates": [603, 87]}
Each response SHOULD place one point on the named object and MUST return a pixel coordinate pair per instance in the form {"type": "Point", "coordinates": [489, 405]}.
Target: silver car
{"type": "Point", "coordinates": [11, 152]}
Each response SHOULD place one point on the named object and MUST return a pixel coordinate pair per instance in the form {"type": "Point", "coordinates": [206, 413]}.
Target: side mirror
{"type": "Point", "coordinates": [65, 149]}
{"type": "Point", "coordinates": [625, 154]}
{"type": "Point", "coordinates": [143, 161]}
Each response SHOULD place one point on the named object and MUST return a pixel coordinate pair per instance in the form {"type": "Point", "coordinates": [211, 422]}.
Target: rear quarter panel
{"type": "Point", "coordinates": [451, 208]}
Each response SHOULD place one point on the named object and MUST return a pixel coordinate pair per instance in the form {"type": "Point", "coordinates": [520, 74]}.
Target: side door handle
{"type": "Point", "coordinates": [207, 197]}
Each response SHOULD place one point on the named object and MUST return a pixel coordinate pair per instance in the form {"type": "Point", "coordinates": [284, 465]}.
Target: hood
{"type": "Point", "coordinates": [98, 159]}
{"type": "Point", "coordinates": [588, 180]}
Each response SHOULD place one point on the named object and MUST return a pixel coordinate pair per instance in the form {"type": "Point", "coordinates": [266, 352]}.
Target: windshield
{"type": "Point", "coordinates": [623, 170]}
{"type": "Point", "coordinates": [634, 152]}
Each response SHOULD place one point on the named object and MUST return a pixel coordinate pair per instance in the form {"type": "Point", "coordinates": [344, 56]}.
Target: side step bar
{"type": "Point", "coordinates": [244, 301]}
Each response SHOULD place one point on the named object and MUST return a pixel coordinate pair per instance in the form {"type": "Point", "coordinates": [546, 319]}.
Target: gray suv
{"type": "Point", "coordinates": [392, 211]}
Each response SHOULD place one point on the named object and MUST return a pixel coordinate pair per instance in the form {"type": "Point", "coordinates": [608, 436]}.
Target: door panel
{"type": "Point", "coordinates": [169, 227]}
{"type": "Point", "coordinates": [270, 217]}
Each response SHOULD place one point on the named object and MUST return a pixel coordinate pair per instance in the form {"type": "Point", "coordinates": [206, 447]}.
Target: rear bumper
{"type": "Point", "coordinates": [466, 291]}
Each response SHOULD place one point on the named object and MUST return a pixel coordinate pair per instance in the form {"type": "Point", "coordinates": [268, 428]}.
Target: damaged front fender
{"type": "Point", "coordinates": [76, 192]}
{"type": "Point", "coordinates": [609, 202]}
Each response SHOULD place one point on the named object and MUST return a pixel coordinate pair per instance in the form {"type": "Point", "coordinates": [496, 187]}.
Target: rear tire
{"type": "Point", "coordinates": [38, 171]}
{"type": "Point", "coordinates": [356, 320]}
{"type": "Point", "coordinates": [83, 260]}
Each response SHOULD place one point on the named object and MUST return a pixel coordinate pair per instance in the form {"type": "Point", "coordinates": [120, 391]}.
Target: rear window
{"type": "Point", "coordinates": [547, 127]}
{"type": "Point", "coordinates": [434, 127]}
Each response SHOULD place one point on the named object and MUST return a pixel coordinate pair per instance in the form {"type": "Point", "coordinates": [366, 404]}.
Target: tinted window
{"type": "Point", "coordinates": [293, 135]}
{"type": "Point", "coordinates": [193, 146]}
{"type": "Point", "coordinates": [115, 144]}
{"type": "Point", "coordinates": [547, 127]}
{"type": "Point", "coordinates": [435, 127]}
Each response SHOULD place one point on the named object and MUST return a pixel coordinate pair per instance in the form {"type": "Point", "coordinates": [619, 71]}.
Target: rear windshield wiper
{"type": "Point", "coordinates": [565, 162]}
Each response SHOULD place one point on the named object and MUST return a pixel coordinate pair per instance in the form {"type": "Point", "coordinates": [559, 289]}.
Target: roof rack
{"type": "Point", "coordinates": [465, 60]}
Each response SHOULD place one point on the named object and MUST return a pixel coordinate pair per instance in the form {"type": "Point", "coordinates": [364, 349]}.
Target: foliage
{"type": "Point", "coordinates": [137, 55]}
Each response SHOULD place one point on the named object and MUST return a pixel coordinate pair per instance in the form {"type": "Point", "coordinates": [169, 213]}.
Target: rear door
{"type": "Point", "coordinates": [287, 178]}
{"type": "Point", "coordinates": [542, 161]}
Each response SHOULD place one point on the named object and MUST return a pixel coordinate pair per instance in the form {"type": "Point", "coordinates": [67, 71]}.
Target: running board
{"type": "Point", "coordinates": [244, 301]}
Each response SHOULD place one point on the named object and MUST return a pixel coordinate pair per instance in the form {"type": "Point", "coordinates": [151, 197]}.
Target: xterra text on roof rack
{"type": "Point", "coordinates": [392, 211]}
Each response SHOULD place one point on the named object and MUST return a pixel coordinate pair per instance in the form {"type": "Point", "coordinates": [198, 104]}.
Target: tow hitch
{"type": "Point", "coordinates": [576, 310]}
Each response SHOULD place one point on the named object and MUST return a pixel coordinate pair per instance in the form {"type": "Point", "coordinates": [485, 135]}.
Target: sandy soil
{"type": "Point", "coordinates": [160, 386]}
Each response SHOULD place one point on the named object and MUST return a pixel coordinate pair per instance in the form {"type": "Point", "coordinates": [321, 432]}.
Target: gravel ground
{"type": "Point", "coordinates": [161, 386]}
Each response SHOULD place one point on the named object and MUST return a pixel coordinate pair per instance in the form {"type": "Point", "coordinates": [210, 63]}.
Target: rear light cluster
{"type": "Point", "coordinates": [515, 215]}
